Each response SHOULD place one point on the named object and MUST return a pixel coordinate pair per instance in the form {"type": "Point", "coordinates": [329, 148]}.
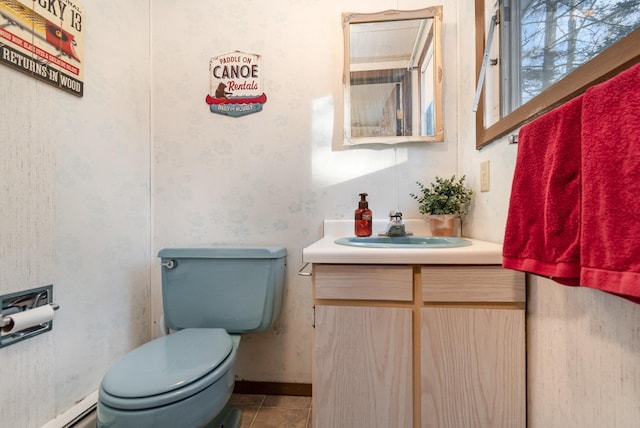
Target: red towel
{"type": "Point", "coordinates": [610, 243]}
{"type": "Point", "coordinates": [543, 225]}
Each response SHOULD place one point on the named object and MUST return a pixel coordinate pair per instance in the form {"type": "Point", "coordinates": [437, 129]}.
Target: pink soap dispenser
{"type": "Point", "coordinates": [363, 217]}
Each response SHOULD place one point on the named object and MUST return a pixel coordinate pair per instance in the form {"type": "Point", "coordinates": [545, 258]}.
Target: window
{"type": "Point", "coordinates": [549, 51]}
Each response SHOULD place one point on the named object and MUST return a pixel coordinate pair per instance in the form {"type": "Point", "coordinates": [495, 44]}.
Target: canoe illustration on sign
{"type": "Point", "coordinates": [237, 100]}
{"type": "Point", "coordinates": [16, 13]}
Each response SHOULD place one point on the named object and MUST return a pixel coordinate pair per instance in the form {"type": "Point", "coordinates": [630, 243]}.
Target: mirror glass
{"type": "Point", "coordinates": [393, 76]}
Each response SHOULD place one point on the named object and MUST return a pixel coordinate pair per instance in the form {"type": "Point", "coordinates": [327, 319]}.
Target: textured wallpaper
{"type": "Point", "coordinates": [269, 177]}
{"type": "Point", "coordinates": [75, 209]}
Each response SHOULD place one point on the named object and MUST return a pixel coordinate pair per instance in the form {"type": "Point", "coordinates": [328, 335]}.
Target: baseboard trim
{"type": "Point", "coordinates": [272, 388]}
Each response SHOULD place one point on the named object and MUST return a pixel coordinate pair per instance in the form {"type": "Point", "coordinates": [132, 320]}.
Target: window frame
{"type": "Point", "coordinates": [616, 58]}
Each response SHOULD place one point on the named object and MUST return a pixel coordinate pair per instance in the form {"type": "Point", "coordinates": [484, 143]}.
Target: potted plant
{"type": "Point", "coordinates": [443, 201]}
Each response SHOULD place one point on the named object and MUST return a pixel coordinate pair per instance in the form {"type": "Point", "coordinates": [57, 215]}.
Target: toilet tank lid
{"type": "Point", "coordinates": [224, 253]}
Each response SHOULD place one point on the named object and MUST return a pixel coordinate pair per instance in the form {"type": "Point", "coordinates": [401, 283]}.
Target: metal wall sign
{"type": "Point", "coordinates": [236, 84]}
{"type": "Point", "coordinates": [44, 39]}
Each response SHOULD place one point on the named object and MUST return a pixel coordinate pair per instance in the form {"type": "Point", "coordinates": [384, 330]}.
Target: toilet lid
{"type": "Point", "coordinates": [168, 363]}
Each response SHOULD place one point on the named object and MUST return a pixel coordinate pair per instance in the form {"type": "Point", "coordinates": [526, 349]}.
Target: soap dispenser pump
{"type": "Point", "coordinates": [363, 217]}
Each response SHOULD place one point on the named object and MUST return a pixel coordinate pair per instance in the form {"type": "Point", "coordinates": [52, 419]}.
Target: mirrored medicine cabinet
{"type": "Point", "coordinates": [393, 76]}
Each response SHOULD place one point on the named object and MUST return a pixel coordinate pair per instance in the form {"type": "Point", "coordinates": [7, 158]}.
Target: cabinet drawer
{"type": "Point", "coordinates": [472, 284]}
{"type": "Point", "coordinates": [363, 282]}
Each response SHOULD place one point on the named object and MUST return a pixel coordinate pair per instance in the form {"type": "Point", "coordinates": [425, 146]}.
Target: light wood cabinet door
{"type": "Point", "coordinates": [473, 367]}
{"type": "Point", "coordinates": [363, 367]}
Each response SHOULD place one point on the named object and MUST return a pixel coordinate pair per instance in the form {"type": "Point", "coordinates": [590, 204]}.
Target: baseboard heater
{"type": "Point", "coordinates": [89, 403]}
{"type": "Point", "coordinates": [69, 417]}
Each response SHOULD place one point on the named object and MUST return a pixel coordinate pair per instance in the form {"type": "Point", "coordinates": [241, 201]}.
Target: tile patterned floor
{"type": "Point", "coordinates": [258, 411]}
{"type": "Point", "coordinates": [273, 411]}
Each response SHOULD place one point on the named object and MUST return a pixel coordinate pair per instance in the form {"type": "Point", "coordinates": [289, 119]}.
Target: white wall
{"type": "Point", "coordinates": [272, 177]}
{"type": "Point", "coordinates": [102, 229]}
{"type": "Point", "coordinates": [27, 209]}
{"type": "Point", "coordinates": [75, 213]}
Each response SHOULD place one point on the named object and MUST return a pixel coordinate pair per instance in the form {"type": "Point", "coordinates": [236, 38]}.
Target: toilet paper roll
{"type": "Point", "coordinates": [29, 318]}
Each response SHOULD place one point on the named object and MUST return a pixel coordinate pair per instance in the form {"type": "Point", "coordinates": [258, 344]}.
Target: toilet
{"type": "Point", "coordinates": [185, 379]}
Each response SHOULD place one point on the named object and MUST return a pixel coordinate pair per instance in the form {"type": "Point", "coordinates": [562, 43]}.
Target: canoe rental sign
{"type": "Point", "coordinates": [236, 84]}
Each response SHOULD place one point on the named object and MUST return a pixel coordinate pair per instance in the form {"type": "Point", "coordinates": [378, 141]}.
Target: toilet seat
{"type": "Point", "coordinates": [168, 369]}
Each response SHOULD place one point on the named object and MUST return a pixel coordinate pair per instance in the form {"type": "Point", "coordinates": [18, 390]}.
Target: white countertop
{"type": "Point", "coordinates": [326, 250]}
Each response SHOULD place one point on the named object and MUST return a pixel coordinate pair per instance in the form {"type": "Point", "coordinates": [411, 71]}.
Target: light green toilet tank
{"type": "Point", "coordinates": [238, 289]}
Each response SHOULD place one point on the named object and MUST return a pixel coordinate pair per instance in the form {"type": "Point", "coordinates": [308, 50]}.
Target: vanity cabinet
{"type": "Point", "coordinates": [418, 346]}
{"type": "Point", "coordinates": [363, 365]}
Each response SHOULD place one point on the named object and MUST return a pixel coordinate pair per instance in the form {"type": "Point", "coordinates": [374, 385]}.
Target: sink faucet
{"type": "Point", "coordinates": [396, 225]}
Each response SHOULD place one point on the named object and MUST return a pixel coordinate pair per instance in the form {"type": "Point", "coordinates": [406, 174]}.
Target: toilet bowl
{"type": "Point", "coordinates": [185, 379]}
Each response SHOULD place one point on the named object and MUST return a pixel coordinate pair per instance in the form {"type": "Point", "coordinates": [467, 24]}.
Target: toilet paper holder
{"type": "Point", "coordinates": [16, 305]}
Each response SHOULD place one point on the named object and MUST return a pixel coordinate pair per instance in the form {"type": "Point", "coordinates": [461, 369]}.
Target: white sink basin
{"type": "Point", "coordinates": [404, 242]}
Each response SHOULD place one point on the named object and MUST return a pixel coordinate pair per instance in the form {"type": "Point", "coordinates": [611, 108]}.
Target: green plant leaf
{"type": "Point", "coordinates": [445, 196]}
